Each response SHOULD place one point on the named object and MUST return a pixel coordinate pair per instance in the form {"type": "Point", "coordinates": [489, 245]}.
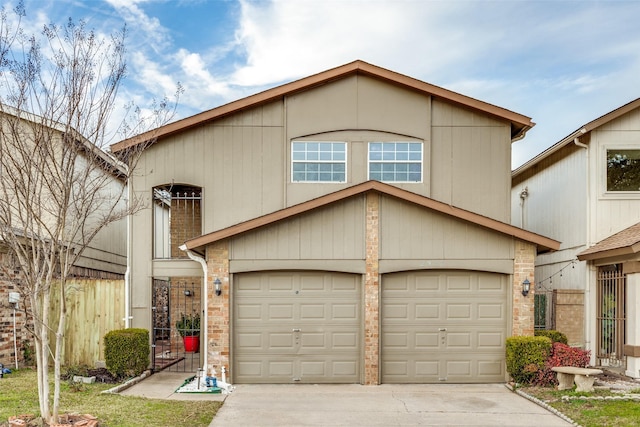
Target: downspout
{"type": "Point", "coordinates": [588, 309]}
{"type": "Point", "coordinates": [205, 317]}
{"type": "Point", "coordinates": [127, 274]}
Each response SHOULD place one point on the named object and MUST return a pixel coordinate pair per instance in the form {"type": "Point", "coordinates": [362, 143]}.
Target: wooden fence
{"type": "Point", "coordinates": [94, 307]}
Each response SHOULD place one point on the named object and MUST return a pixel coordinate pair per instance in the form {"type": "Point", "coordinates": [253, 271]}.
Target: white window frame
{"type": "Point", "coordinates": [395, 157]}
{"type": "Point", "coordinates": [627, 194]}
{"type": "Point", "coordinates": [318, 157]}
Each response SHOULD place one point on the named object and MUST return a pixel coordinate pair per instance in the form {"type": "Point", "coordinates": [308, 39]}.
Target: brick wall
{"type": "Point", "coordinates": [9, 277]}
{"type": "Point", "coordinates": [569, 315]}
{"type": "Point", "coordinates": [186, 223]}
{"type": "Point", "coordinates": [523, 313]}
{"type": "Point", "coordinates": [218, 310]}
{"type": "Point", "coordinates": [372, 291]}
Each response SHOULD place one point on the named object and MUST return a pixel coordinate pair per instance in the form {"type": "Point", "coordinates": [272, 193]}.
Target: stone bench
{"type": "Point", "coordinates": [583, 377]}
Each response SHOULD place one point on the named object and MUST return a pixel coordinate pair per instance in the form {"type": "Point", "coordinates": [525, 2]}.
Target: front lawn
{"type": "Point", "coordinates": [19, 395]}
{"type": "Point", "coordinates": [587, 411]}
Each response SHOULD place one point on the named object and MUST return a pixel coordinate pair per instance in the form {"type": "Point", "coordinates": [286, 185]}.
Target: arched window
{"type": "Point", "coordinates": [177, 217]}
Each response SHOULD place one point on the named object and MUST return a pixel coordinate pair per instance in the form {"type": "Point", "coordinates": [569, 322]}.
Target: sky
{"type": "Point", "coordinates": [562, 63]}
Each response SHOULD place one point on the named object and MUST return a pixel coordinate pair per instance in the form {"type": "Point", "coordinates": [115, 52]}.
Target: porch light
{"type": "Point", "coordinates": [217, 282]}
{"type": "Point", "coordinates": [525, 287]}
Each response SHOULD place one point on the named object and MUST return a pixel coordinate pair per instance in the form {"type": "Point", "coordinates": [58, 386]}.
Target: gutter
{"type": "Point", "coordinates": [205, 270]}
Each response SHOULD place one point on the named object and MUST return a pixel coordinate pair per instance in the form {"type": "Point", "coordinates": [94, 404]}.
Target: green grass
{"type": "Point", "coordinates": [19, 395]}
{"type": "Point", "coordinates": [590, 413]}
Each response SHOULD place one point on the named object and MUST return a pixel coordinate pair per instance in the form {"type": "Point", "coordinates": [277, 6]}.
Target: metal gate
{"type": "Point", "coordinates": [171, 300]}
{"type": "Point", "coordinates": [610, 327]}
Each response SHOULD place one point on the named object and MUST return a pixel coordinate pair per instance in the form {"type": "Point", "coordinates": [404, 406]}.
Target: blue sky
{"type": "Point", "coordinates": [562, 63]}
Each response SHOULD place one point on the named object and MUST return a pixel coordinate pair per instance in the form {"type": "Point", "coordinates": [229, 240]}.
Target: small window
{"type": "Point", "coordinates": [395, 161]}
{"type": "Point", "coordinates": [318, 161]}
{"type": "Point", "coordinates": [623, 170]}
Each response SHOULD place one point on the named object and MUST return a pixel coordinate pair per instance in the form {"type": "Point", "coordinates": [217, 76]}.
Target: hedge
{"type": "Point", "coordinates": [126, 352]}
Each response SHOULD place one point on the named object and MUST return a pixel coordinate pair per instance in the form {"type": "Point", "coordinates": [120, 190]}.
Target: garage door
{"type": "Point", "coordinates": [443, 326]}
{"type": "Point", "coordinates": [297, 327]}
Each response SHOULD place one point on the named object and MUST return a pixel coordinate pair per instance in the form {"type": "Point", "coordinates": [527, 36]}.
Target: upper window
{"type": "Point", "coordinates": [318, 161]}
{"type": "Point", "coordinates": [623, 170]}
{"type": "Point", "coordinates": [395, 161]}
{"type": "Point", "coordinates": [176, 219]}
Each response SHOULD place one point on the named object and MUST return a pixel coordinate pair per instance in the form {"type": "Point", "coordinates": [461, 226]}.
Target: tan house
{"type": "Point", "coordinates": [348, 227]}
{"type": "Point", "coordinates": [585, 191]}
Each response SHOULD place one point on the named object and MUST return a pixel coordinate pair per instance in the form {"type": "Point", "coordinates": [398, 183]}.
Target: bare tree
{"type": "Point", "coordinates": [58, 186]}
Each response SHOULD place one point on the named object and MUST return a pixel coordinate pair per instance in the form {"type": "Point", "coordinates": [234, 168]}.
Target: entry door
{"type": "Point", "coordinates": [296, 327]}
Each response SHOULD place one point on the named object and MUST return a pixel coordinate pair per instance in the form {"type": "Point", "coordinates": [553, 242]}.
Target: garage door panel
{"type": "Point", "coordinates": [307, 329]}
{"type": "Point", "coordinates": [443, 326]}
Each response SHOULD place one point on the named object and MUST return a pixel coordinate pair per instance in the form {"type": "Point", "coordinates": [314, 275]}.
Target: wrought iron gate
{"type": "Point", "coordinates": [610, 326]}
{"type": "Point", "coordinates": [170, 301]}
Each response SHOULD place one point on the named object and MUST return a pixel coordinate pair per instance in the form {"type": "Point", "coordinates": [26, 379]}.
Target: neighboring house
{"type": "Point", "coordinates": [585, 192]}
{"type": "Point", "coordinates": [95, 288]}
{"type": "Point", "coordinates": [348, 227]}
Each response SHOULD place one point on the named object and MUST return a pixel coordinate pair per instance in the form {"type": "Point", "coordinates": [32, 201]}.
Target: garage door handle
{"type": "Point", "coordinates": [296, 330]}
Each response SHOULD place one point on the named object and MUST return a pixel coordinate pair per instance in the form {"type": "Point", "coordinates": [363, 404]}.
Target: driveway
{"type": "Point", "coordinates": [385, 405]}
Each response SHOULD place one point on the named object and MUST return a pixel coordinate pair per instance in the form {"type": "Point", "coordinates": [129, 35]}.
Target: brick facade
{"type": "Point", "coordinates": [372, 291]}
{"type": "Point", "coordinates": [523, 306]}
{"type": "Point", "coordinates": [218, 330]}
{"type": "Point", "coordinates": [568, 315]}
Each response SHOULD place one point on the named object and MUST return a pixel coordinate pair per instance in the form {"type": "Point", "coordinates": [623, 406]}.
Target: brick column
{"type": "Point", "coordinates": [568, 312]}
{"type": "Point", "coordinates": [218, 329]}
{"type": "Point", "coordinates": [523, 268]}
{"type": "Point", "coordinates": [372, 291]}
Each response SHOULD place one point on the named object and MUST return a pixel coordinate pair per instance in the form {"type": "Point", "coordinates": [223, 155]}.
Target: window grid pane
{"type": "Point", "coordinates": [318, 161]}
{"type": "Point", "coordinates": [395, 161]}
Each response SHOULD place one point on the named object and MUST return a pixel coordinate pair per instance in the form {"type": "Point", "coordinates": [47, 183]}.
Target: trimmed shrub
{"type": "Point", "coordinates": [554, 336]}
{"type": "Point", "coordinates": [126, 352]}
{"type": "Point", "coordinates": [561, 355]}
{"type": "Point", "coordinates": [526, 356]}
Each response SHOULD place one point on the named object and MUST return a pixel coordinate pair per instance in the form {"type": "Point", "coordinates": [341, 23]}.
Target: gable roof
{"type": "Point", "coordinates": [519, 124]}
{"type": "Point", "coordinates": [625, 242]}
{"type": "Point", "coordinates": [543, 243]}
{"type": "Point", "coordinates": [569, 139]}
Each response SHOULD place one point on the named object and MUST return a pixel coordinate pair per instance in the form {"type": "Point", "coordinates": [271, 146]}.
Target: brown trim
{"type": "Point", "coordinates": [626, 250]}
{"type": "Point", "coordinates": [543, 243]}
{"type": "Point", "coordinates": [520, 124]}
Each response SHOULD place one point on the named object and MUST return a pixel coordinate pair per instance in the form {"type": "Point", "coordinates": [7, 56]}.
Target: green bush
{"type": "Point", "coordinates": [554, 336]}
{"type": "Point", "coordinates": [526, 356]}
{"type": "Point", "coordinates": [126, 352]}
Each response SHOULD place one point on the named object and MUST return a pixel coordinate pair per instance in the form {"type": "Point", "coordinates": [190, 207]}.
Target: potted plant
{"type": "Point", "coordinates": [189, 329]}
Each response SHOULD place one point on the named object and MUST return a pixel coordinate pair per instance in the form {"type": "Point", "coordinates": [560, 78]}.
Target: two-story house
{"type": "Point", "coordinates": [348, 227]}
{"type": "Point", "coordinates": [585, 191]}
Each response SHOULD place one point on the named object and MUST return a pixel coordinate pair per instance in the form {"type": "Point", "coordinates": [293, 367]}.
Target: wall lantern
{"type": "Point", "coordinates": [187, 293]}
{"type": "Point", "coordinates": [217, 282]}
{"type": "Point", "coordinates": [525, 287]}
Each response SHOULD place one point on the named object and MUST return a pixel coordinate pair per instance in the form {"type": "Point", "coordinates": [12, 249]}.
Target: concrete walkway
{"type": "Point", "coordinates": [163, 385]}
{"type": "Point", "coordinates": [385, 405]}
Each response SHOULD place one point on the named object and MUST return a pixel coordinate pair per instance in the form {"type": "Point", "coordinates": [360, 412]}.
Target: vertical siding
{"type": "Point", "coordinates": [471, 159]}
{"type": "Point", "coordinates": [613, 212]}
{"type": "Point", "coordinates": [334, 232]}
{"type": "Point", "coordinates": [556, 206]}
{"type": "Point", "coordinates": [413, 232]}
